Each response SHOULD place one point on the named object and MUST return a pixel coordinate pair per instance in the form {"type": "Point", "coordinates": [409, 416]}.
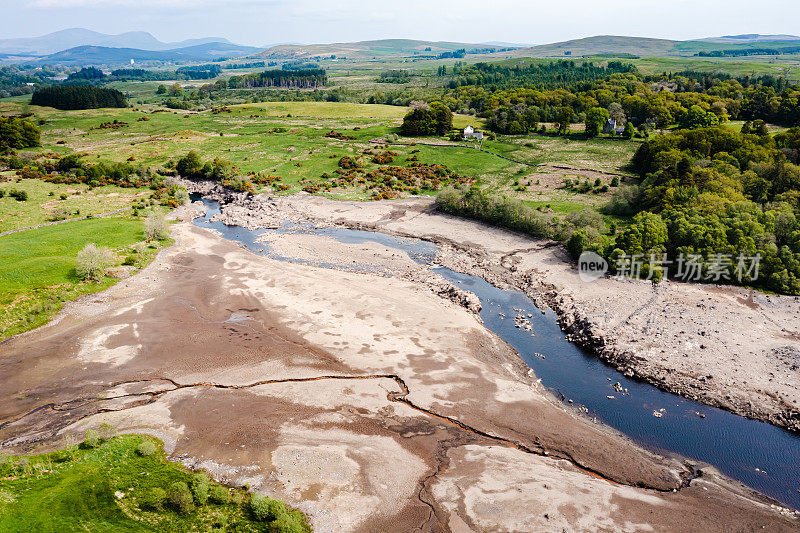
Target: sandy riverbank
{"type": "Point", "coordinates": [368, 401]}
{"type": "Point", "coordinates": [710, 343]}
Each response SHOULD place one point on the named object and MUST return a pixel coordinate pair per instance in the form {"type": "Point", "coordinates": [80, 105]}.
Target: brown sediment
{"type": "Point", "coordinates": [352, 396]}
{"type": "Point", "coordinates": [676, 337]}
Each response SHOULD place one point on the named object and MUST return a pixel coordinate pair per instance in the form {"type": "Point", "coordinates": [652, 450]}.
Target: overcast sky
{"type": "Point", "coordinates": [261, 22]}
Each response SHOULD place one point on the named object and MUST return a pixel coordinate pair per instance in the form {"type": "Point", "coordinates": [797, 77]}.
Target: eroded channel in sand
{"type": "Point", "coordinates": [758, 454]}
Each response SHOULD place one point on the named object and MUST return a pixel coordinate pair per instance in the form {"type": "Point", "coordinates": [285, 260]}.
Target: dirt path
{"type": "Point", "coordinates": [368, 401]}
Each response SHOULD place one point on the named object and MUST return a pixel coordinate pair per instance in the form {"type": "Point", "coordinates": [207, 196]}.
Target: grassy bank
{"type": "Point", "coordinates": [50, 201]}
{"type": "Point", "coordinates": [37, 267]}
{"type": "Point", "coordinates": [125, 484]}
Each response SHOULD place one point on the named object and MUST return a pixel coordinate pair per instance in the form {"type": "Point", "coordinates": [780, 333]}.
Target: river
{"type": "Point", "coordinates": [758, 454]}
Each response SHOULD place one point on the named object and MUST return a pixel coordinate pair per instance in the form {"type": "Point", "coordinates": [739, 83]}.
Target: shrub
{"type": "Point", "coordinates": [266, 509]}
{"type": "Point", "coordinates": [91, 439]}
{"type": "Point", "coordinates": [129, 260]}
{"type": "Point", "coordinates": [494, 209]}
{"type": "Point", "coordinates": [155, 227]}
{"type": "Point", "coordinates": [92, 262]}
{"type": "Point", "coordinates": [63, 196]}
{"type": "Point", "coordinates": [615, 181]}
{"type": "Point", "coordinates": [59, 214]}
{"type": "Point", "coordinates": [384, 158]}
{"type": "Point", "coordinates": [290, 522]}
{"type": "Point", "coordinates": [624, 202]}
{"type": "Point", "coordinates": [21, 196]}
{"type": "Point", "coordinates": [181, 195]}
{"type": "Point", "coordinates": [583, 218]}
{"type": "Point", "coordinates": [200, 488]}
{"type": "Point", "coordinates": [106, 431]}
{"type": "Point", "coordinates": [348, 163]}
{"type": "Point", "coordinates": [180, 497]}
{"type": "Point", "coordinates": [219, 495]}
{"type": "Point", "coordinates": [577, 243]}
{"type": "Point", "coordinates": [238, 184]}
{"type": "Point", "coordinates": [146, 448]}
{"type": "Point", "coordinates": [153, 500]}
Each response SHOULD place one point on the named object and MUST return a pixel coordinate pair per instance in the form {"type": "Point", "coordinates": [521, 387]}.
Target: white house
{"type": "Point", "coordinates": [470, 133]}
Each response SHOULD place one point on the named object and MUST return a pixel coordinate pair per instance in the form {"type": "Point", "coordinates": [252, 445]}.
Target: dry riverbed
{"type": "Point", "coordinates": [721, 345]}
{"type": "Point", "coordinates": [366, 399]}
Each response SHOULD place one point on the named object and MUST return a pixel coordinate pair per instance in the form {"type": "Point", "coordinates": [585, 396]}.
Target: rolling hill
{"type": "Point", "coordinates": [368, 49]}
{"type": "Point", "coordinates": [600, 44]}
{"type": "Point", "coordinates": [648, 47]}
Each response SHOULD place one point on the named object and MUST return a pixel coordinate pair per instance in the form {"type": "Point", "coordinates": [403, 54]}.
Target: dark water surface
{"type": "Point", "coordinates": [758, 454]}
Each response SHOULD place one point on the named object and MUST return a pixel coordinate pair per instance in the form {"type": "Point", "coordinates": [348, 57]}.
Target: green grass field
{"type": "Point", "coordinates": [109, 488]}
{"type": "Point", "coordinates": [285, 139]}
{"type": "Point", "coordinates": [45, 202]}
{"type": "Point", "coordinates": [788, 65]}
{"type": "Point", "coordinates": [37, 267]}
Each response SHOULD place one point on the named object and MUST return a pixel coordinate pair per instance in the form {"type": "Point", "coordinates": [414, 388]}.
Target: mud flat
{"type": "Point", "coordinates": [720, 345]}
{"type": "Point", "coordinates": [370, 402]}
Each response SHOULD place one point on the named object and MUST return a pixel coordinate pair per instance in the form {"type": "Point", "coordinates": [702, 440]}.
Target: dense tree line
{"type": "Point", "coordinates": [199, 72]}
{"type": "Point", "coordinates": [140, 74]}
{"type": "Point", "coordinates": [458, 54]}
{"type": "Point", "coordinates": [78, 97]}
{"type": "Point", "coordinates": [86, 74]}
{"type": "Point", "coordinates": [648, 103]}
{"type": "Point", "coordinates": [16, 133]}
{"type": "Point", "coordinates": [302, 79]}
{"type": "Point", "coordinates": [394, 76]}
{"type": "Point", "coordinates": [696, 81]}
{"type": "Point", "coordinates": [300, 65]}
{"type": "Point", "coordinates": [254, 64]}
{"type": "Point", "coordinates": [539, 75]}
{"type": "Point", "coordinates": [738, 52]}
{"type": "Point", "coordinates": [716, 195]}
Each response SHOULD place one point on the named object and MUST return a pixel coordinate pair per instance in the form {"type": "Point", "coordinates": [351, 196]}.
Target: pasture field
{"type": "Point", "coordinates": [111, 485]}
{"type": "Point", "coordinates": [283, 139]}
{"type": "Point", "coordinates": [784, 65]}
{"type": "Point", "coordinates": [49, 202]}
{"type": "Point", "coordinates": [37, 266]}
{"type": "Point", "coordinates": [287, 139]}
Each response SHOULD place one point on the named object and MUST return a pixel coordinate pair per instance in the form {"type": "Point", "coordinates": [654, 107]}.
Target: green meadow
{"type": "Point", "coordinates": [119, 484]}
{"type": "Point", "coordinates": [283, 139]}
{"type": "Point", "coordinates": [37, 267]}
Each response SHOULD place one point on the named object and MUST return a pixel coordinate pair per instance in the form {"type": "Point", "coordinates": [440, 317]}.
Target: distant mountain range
{"type": "Point", "coordinates": [103, 55]}
{"type": "Point", "coordinates": [74, 37]}
{"type": "Point", "coordinates": [78, 46]}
